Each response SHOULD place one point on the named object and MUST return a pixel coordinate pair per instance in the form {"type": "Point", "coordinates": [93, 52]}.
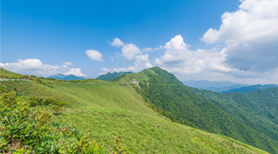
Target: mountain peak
{"type": "Point", "coordinates": [151, 75]}
{"type": "Point", "coordinates": [111, 76]}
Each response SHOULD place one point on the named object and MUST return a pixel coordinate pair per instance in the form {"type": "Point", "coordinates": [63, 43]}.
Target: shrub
{"type": "Point", "coordinates": [24, 129]}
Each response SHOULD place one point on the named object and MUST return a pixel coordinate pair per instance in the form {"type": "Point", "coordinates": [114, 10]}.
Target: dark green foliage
{"type": "Point", "coordinates": [167, 93]}
{"type": "Point", "coordinates": [111, 76]}
{"type": "Point", "coordinates": [258, 110]}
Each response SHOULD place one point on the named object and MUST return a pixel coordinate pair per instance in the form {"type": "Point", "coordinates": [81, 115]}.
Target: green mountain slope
{"type": "Point", "coordinates": [257, 109]}
{"type": "Point", "coordinates": [111, 76]}
{"type": "Point", "coordinates": [107, 109]}
{"type": "Point", "coordinates": [166, 92]}
{"type": "Point", "coordinates": [5, 74]}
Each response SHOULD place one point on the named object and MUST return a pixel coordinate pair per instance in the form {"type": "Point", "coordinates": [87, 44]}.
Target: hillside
{"type": "Point", "coordinates": [5, 74]}
{"type": "Point", "coordinates": [109, 110]}
{"type": "Point", "coordinates": [111, 76]}
{"type": "Point", "coordinates": [166, 92]}
{"type": "Point", "coordinates": [257, 109]}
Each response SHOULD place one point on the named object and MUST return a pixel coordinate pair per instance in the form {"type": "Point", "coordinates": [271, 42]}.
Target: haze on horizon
{"type": "Point", "coordinates": [231, 40]}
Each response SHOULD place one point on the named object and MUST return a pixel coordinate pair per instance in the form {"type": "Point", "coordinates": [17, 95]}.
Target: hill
{"type": "Point", "coordinates": [66, 77]}
{"type": "Point", "coordinates": [5, 74]}
{"type": "Point", "coordinates": [247, 89]}
{"type": "Point", "coordinates": [185, 105]}
{"type": "Point", "coordinates": [109, 110]}
{"type": "Point", "coordinates": [111, 76]}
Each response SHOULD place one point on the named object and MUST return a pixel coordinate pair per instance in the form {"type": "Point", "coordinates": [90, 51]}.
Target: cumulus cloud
{"type": "Point", "coordinates": [206, 65]}
{"type": "Point", "coordinates": [94, 55]}
{"type": "Point", "coordinates": [117, 42]}
{"type": "Point", "coordinates": [250, 35]}
{"type": "Point", "coordinates": [36, 67]}
{"type": "Point", "coordinates": [178, 58]}
{"type": "Point", "coordinates": [130, 51]}
{"type": "Point", "coordinates": [141, 62]}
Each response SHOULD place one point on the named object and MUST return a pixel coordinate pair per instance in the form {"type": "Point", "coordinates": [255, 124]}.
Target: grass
{"type": "Point", "coordinates": [108, 110]}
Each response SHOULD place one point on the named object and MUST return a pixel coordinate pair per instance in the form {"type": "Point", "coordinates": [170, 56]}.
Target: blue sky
{"type": "Point", "coordinates": [49, 37]}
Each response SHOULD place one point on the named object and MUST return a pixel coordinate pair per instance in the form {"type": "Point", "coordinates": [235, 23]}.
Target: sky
{"type": "Point", "coordinates": [216, 40]}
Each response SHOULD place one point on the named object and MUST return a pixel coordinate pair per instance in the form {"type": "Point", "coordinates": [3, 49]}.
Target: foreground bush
{"type": "Point", "coordinates": [29, 129]}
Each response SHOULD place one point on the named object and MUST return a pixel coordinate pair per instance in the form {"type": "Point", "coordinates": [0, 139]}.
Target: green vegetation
{"type": "Point", "coordinates": [184, 105]}
{"type": "Point", "coordinates": [4, 74]}
{"type": "Point", "coordinates": [24, 129]}
{"type": "Point", "coordinates": [257, 109]}
{"type": "Point", "coordinates": [111, 76]}
{"type": "Point", "coordinates": [113, 112]}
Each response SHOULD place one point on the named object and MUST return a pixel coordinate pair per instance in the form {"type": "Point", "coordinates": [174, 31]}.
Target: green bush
{"type": "Point", "coordinates": [31, 130]}
{"type": "Point", "coordinates": [27, 129]}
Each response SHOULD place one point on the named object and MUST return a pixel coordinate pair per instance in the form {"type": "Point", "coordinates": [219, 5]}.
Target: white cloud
{"type": "Point", "coordinates": [206, 65]}
{"type": "Point", "coordinates": [74, 71]}
{"type": "Point", "coordinates": [147, 49]}
{"type": "Point", "coordinates": [106, 69]}
{"type": "Point", "coordinates": [141, 62]}
{"type": "Point", "coordinates": [67, 63]}
{"type": "Point", "coordinates": [117, 42]}
{"type": "Point", "coordinates": [94, 55]}
{"type": "Point", "coordinates": [130, 51]}
{"type": "Point", "coordinates": [178, 58]}
{"type": "Point", "coordinates": [36, 67]}
{"type": "Point", "coordinates": [250, 35]}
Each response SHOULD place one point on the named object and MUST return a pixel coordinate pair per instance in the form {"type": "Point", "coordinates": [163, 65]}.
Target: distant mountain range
{"type": "Point", "coordinates": [248, 89]}
{"type": "Point", "coordinates": [66, 77]}
{"type": "Point", "coordinates": [213, 85]}
{"type": "Point", "coordinates": [226, 86]}
{"type": "Point", "coordinates": [111, 76]}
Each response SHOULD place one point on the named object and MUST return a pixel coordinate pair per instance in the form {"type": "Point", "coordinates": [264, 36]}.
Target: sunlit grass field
{"type": "Point", "coordinates": [109, 110]}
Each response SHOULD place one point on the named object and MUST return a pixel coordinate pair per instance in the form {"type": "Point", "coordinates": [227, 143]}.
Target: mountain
{"type": "Point", "coordinates": [117, 115]}
{"type": "Point", "coordinates": [66, 77]}
{"type": "Point", "coordinates": [247, 89]}
{"type": "Point", "coordinates": [111, 76]}
{"type": "Point", "coordinates": [199, 108]}
{"type": "Point", "coordinates": [213, 85]}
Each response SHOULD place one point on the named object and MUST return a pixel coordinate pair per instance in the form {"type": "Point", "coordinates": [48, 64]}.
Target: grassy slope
{"type": "Point", "coordinates": [107, 109]}
{"type": "Point", "coordinates": [165, 91]}
{"type": "Point", "coordinates": [9, 75]}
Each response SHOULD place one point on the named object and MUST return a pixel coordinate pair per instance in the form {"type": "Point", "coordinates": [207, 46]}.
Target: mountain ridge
{"type": "Point", "coordinates": [111, 76]}
{"type": "Point", "coordinates": [66, 77]}
{"type": "Point", "coordinates": [166, 92]}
